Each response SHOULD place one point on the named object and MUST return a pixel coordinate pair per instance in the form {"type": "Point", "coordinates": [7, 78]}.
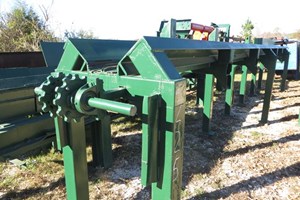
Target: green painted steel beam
{"type": "Point", "coordinates": [17, 103]}
{"type": "Point", "coordinates": [18, 78]}
{"type": "Point", "coordinates": [22, 131]}
{"type": "Point", "coordinates": [172, 44]}
{"type": "Point", "coordinates": [27, 145]}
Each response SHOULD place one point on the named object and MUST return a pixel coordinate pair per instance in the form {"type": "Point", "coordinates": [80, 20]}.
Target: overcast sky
{"type": "Point", "coordinates": [132, 19]}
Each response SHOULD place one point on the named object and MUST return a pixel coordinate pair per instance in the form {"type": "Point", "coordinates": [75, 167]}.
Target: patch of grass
{"type": "Point", "coordinates": [275, 144]}
{"type": "Point", "coordinates": [199, 176]}
{"type": "Point", "coordinates": [46, 162]}
{"type": "Point", "coordinates": [8, 181]}
{"type": "Point", "coordinates": [185, 193]}
{"type": "Point", "coordinates": [217, 184]}
{"type": "Point", "coordinates": [256, 134]}
{"type": "Point", "coordinates": [124, 124]}
{"type": "Point", "coordinates": [199, 191]}
{"type": "Point", "coordinates": [237, 134]}
{"type": "Point", "coordinates": [2, 166]}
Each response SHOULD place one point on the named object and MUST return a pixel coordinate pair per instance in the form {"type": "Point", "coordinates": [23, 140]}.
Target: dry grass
{"type": "Point", "coordinates": [244, 160]}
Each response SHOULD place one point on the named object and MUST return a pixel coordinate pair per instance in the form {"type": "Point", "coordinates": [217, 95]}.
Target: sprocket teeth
{"type": "Point", "coordinates": [55, 89]}
{"type": "Point", "coordinates": [45, 108]}
{"type": "Point", "coordinates": [41, 98]}
{"type": "Point", "coordinates": [60, 111]}
{"type": "Point", "coordinates": [52, 114]}
{"type": "Point", "coordinates": [45, 84]}
{"type": "Point", "coordinates": [58, 75]}
{"type": "Point", "coordinates": [64, 84]}
{"type": "Point", "coordinates": [66, 119]}
{"type": "Point", "coordinates": [82, 78]}
{"type": "Point", "coordinates": [47, 93]}
{"type": "Point", "coordinates": [50, 79]}
{"type": "Point", "coordinates": [76, 119]}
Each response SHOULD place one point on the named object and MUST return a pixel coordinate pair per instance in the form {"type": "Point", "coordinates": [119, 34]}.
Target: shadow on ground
{"type": "Point", "coordinates": [253, 183]}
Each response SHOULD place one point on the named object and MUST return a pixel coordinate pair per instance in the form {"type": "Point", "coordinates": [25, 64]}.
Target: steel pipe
{"type": "Point", "coordinates": [114, 106]}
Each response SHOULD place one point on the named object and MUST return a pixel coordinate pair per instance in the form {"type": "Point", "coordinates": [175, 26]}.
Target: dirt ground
{"type": "Point", "coordinates": [243, 160]}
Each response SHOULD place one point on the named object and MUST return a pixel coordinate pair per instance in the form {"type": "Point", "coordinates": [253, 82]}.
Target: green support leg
{"type": "Point", "coordinates": [219, 87]}
{"type": "Point", "coordinates": [169, 187]}
{"type": "Point", "coordinates": [243, 85]}
{"type": "Point", "coordinates": [229, 95]}
{"type": "Point", "coordinates": [75, 162]}
{"type": "Point", "coordinates": [101, 144]}
{"type": "Point", "coordinates": [60, 129]}
{"type": "Point", "coordinates": [285, 72]}
{"type": "Point", "coordinates": [162, 142]}
{"type": "Point", "coordinates": [253, 85]}
{"type": "Point", "coordinates": [268, 90]}
{"type": "Point", "coordinates": [200, 89]}
{"type": "Point", "coordinates": [260, 77]}
{"type": "Point", "coordinates": [152, 112]}
{"type": "Point", "coordinates": [208, 102]}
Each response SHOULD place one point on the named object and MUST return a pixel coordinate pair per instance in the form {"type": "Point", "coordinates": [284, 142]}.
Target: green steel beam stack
{"type": "Point", "coordinates": [22, 127]}
{"type": "Point", "coordinates": [143, 78]}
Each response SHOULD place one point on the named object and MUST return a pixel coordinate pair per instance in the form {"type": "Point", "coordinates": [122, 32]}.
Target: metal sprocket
{"type": "Point", "coordinates": [46, 92]}
{"type": "Point", "coordinates": [64, 99]}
